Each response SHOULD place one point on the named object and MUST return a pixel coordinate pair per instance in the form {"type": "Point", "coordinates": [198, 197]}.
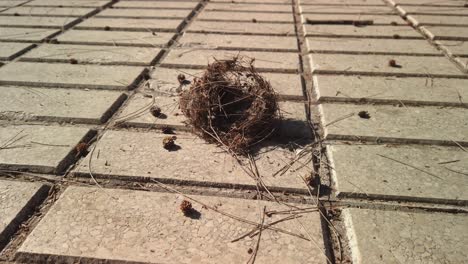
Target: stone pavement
{"type": "Point", "coordinates": [374, 101]}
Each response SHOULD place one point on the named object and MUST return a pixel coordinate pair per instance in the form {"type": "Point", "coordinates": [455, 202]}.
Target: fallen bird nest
{"type": "Point", "coordinates": [231, 104]}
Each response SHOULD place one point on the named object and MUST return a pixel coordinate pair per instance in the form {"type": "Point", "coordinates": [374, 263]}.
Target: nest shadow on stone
{"type": "Point", "coordinates": [231, 104]}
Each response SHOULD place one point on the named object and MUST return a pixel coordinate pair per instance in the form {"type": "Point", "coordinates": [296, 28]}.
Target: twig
{"type": "Point", "coordinates": [261, 227]}
{"type": "Point", "coordinates": [409, 165]}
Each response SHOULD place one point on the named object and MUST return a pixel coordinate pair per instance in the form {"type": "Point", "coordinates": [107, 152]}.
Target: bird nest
{"type": "Point", "coordinates": [231, 104]}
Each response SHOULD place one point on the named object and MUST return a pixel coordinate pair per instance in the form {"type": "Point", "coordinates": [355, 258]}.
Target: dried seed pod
{"type": "Point", "coordinates": [155, 111]}
{"type": "Point", "coordinates": [81, 149]}
{"type": "Point", "coordinates": [181, 79]}
{"type": "Point", "coordinates": [392, 63]}
{"type": "Point", "coordinates": [107, 28]}
{"type": "Point", "coordinates": [73, 61]}
{"type": "Point", "coordinates": [186, 207]}
{"type": "Point", "coordinates": [364, 114]}
{"type": "Point", "coordinates": [169, 142]}
{"type": "Point", "coordinates": [396, 36]}
{"type": "Point", "coordinates": [254, 20]}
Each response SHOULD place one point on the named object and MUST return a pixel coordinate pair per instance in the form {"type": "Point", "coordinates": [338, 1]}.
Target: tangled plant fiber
{"type": "Point", "coordinates": [231, 104]}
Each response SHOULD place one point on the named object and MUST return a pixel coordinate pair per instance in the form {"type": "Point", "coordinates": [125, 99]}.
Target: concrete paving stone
{"type": "Point", "coordinates": [69, 75]}
{"type": "Point", "coordinates": [145, 13]}
{"type": "Point", "coordinates": [379, 236]}
{"type": "Point", "coordinates": [377, 19]}
{"type": "Point", "coordinates": [446, 33]}
{"type": "Point", "coordinates": [61, 105]}
{"type": "Point", "coordinates": [456, 47]}
{"type": "Point", "coordinates": [116, 38]}
{"type": "Point", "coordinates": [375, 46]}
{"type": "Point", "coordinates": [6, 3]}
{"type": "Point", "coordinates": [276, 2]}
{"type": "Point", "coordinates": [119, 226]}
{"type": "Point", "coordinates": [136, 113]}
{"type": "Point", "coordinates": [140, 156]}
{"type": "Point", "coordinates": [242, 27]}
{"type": "Point", "coordinates": [457, 3]}
{"type": "Point", "coordinates": [164, 81]}
{"type": "Point", "coordinates": [248, 7]}
{"type": "Point", "coordinates": [435, 10]}
{"type": "Point", "coordinates": [246, 16]}
{"type": "Point", "coordinates": [156, 4]}
{"type": "Point", "coordinates": [23, 21]}
{"type": "Point", "coordinates": [367, 31]}
{"type": "Point", "coordinates": [25, 34]}
{"type": "Point", "coordinates": [344, 2]}
{"type": "Point", "coordinates": [408, 90]}
{"type": "Point", "coordinates": [347, 9]}
{"type": "Point", "coordinates": [379, 65]}
{"type": "Point", "coordinates": [422, 20]}
{"type": "Point", "coordinates": [45, 149]}
{"type": "Point", "coordinates": [10, 50]}
{"type": "Point", "coordinates": [139, 56]}
{"type": "Point", "coordinates": [279, 61]}
{"type": "Point", "coordinates": [130, 24]}
{"type": "Point", "coordinates": [48, 11]}
{"type": "Point", "coordinates": [399, 124]}
{"type": "Point", "coordinates": [217, 41]}
{"type": "Point", "coordinates": [378, 171]}
{"type": "Point", "coordinates": [18, 199]}
{"type": "Point", "coordinates": [68, 3]}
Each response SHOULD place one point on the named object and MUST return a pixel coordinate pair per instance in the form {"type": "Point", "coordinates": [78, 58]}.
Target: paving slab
{"type": "Point", "coordinates": [407, 90]}
{"type": "Point", "coordinates": [248, 7]}
{"type": "Point", "coordinates": [145, 13]}
{"type": "Point", "coordinates": [398, 124]}
{"type": "Point", "coordinates": [366, 32]}
{"type": "Point", "coordinates": [449, 3]}
{"type": "Point", "coordinates": [61, 105]}
{"type": "Point", "coordinates": [69, 75]}
{"type": "Point", "coordinates": [116, 38]}
{"type": "Point", "coordinates": [246, 16]}
{"type": "Point", "coordinates": [433, 173]}
{"type": "Point", "coordinates": [68, 3]}
{"type": "Point", "coordinates": [48, 11]}
{"type": "Point", "coordinates": [36, 22]}
{"type": "Point", "coordinates": [156, 4]}
{"type": "Point", "coordinates": [379, 65]}
{"type": "Point", "coordinates": [131, 24]}
{"type": "Point", "coordinates": [343, 2]}
{"type": "Point", "coordinates": [405, 237]}
{"type": "Point", "coordinates": [164, 81]}
{"type": "Point", "coordinates": [446, 33]}
{"type": "Point", "coordinates": [12, 50]}
{"type": "Point", "coordinates": [429, 20]}
{"type": "Point", "coordinates": [139, 56]}
{"type": "Point", "coordinates": [119, 226]}
{"type": "Point", "coordinates": [6, 3]}
{"type": "Point", "coordinates": [217, 41]}
{"type": "Point", "coordinates": [376, 19]}
{"type": "Point", "coordinates": [273, 61]}
{"type": "Point", "coordinates": [435, 10]}
{"type": "Point", "coordinates": [44, 149]}
{"type": "Point", "coordinates": [18, 200]}
{"type": "Point", "coordinates": [371, 46]}
{"type": "Point", "coordinates": [242, 28]}
{"type": "Point", "coordinates": [140, 156]}
{"type": "Point", "coordinates": [459, 48]}
{"type": "Point", "coordinates": [346, 9]}
{"type": "Point", "coordinates": [25, 34]}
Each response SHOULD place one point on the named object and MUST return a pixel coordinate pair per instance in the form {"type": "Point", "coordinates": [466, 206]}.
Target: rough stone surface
{"type": "Point", "coordinates": [11, 50]}
{"type": "Point", "coordinates": [69, 75]}
{"type": "Point", "coordinates": [132, 155]}
{"type": "Point", "coordinates": [447, 33]}
{"type": "Point", "coordinates": [118, 225]}
{"type": "Point", "coordinates": [365, 45]}
{"type": "Point", "coordinates": [58, 104]}
{"type": "Point", "coordinates": [215, 41]}
{"type": "Point", "coordinates": [99, 37]}
{"type": "Point", "coordinates": [368, 31]}
{"type": "Point", "coordinates": [53, 11]}
{"type": "Point", "coordinates": [56, 22]}
{"type": "Point", "coordinates": [17, 199]}
{"type": "Point", "coordinates": [379, 64]}
{"type": "Point", "coordinates": [263, 60]}
{"type": "Point", "coordinates": [156, 4]}
{"type": "Point", "coordinates": [326, 9]}
{"type": "Point", "coordinates": [439, 20]}
{"type": "Point", "coordinates": [164, 81]}
{"type": "Point", "coordinates": [43, 149]}
{"type": "Point", "coordinates": [406, 237]}
{"type": "Point", "coordinates": [377, 19]}
{"type": "Point", "coordinates": [25, 34]}
{"type": "Point", "coordinates": [378, 171]}
{"type": "Point", "coordinates": [145, 13]}
{"type": "Point", "coordinates": [142, 24]}
{"type": "Point", "coordinates": [402, 124]}
{"type": "Point", "coordinates": [246, 16]}
{"type": "Point", "coordinates": [242, 27]}
{"type": "Point", "coordinates": [68, 3]}
{"type": "Point", "coordinates": [92, 54]}
{"type": "Point", "coordinates": [391, 89]}
{"type": "Point", "coordinates": [248, 7]}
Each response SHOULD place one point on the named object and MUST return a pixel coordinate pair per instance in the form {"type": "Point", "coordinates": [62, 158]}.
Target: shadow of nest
{"type": "Point", "coordinates": [231, 104]}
